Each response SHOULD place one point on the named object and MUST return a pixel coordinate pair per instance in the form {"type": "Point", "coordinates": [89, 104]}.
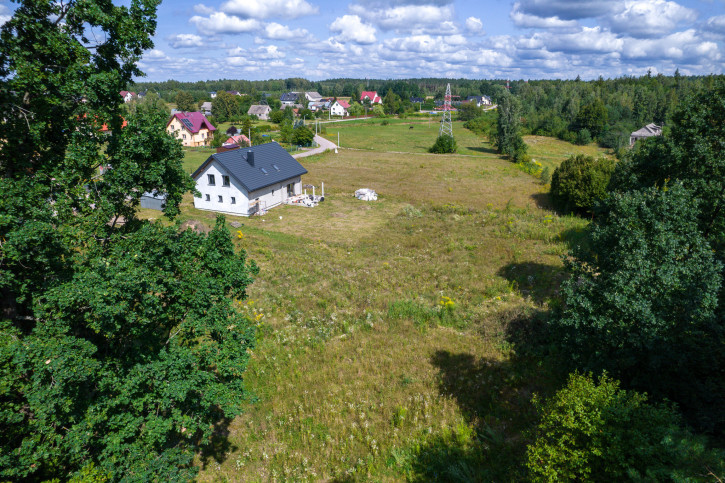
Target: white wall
{"type": "Point", "coordinates": [240, 208]}
{"type": "Point", "coordinates": [275, 194]}
{"type": "Point", "coordinates": [269, 197]}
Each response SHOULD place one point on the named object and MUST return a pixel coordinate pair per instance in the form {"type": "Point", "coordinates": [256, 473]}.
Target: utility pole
{"type": "Point", "coordinates": [446, 122]}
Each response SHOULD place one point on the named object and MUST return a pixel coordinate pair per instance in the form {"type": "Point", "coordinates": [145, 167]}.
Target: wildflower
{"type": "Point", "coordinates": [240, 235]}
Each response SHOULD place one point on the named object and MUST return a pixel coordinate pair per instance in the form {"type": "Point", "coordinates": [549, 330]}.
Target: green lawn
{"type": "Point", "coordinates": [412, 135]}
{"type": "Point", "coordinates": [382, 347]}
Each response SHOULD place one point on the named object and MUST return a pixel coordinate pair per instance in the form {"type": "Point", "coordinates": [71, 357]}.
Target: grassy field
{"type": "Point", "coordinates": [382, 354]}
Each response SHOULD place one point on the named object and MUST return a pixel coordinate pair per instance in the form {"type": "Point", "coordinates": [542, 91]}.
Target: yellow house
{"type": "Point", "coordinates": [193, 128]}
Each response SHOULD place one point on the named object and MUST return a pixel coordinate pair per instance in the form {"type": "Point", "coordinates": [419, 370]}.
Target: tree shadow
{"type": "Point", "coordinates": [219, 446]}
{"type": "Point", "coordinates": [495, 398]}
{"type": "Point", "coordinates": [543, 201]}
{"type": "Point", "coordinates": [539, 281]}
{"type": "Point", "coordinates": [481, 149]}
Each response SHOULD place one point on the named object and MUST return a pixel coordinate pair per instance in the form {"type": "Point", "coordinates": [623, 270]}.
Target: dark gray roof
{"type": "Point", "coordinates": [289, 97]}
{"type": "Point", "coordinates": [266, 157]}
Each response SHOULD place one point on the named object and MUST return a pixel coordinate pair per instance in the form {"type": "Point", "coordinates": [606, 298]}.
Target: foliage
{"type": "Point", "coordinates": [593, 117]}
{"type": "Point", "coordinates": [276, 117]}
{"type": "Point", "coordinates": [579, 182]}
{"type": "Point", "coordinates": [391, 102]}
{"type": "Point", "coordinates": [583, 137]}
{"type": "Point", "coordinates": [642, 298]}
{"type": "Point", "coordinates": [469, 111]}
{"type": "Point", "coordinates": [595, 431]}
{"type": "Point", "coordinates": [185, 102]}
{"type": "Point", "coordinates": [121, 346]}
{"type": "Point", "coordinates": [302, 136]}
{"type": "Point", "coordinates": [444, 144]}
{"type": "Point", "coordinates": [356, 109]}
{"type": "Point", "coordinates": [232, 131]}
{"type": "Point", "coordinates": [508, 132]}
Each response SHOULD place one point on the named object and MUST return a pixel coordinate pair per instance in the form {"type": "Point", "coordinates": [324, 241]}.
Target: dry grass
{"type": "Point", "coordinates": [551, 151]}
{"type": "Point", "coordinates": [363, 366]}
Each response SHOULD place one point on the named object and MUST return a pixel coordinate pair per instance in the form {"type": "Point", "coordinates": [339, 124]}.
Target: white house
{"type": "Point", "coordinates": [313, 96]}
{"type": "Point", "coordinates": [193, 128]}
{"type": "Point", "coordinates": [260, 110]}
{"type": "Point", "coordinates": [212, 94]}
{"type": "Point", "coordinates": [648, 131]}
{"type": "Point", "coordinates": [127, 96]}
{"type": "Point", "coordinates": [246, 180]}
{"type": "Point", "coordinates": [339, 108]}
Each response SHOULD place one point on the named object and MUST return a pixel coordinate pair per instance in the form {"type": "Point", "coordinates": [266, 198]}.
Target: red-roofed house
{"type": "Point", "coordinates": [127, 96]}
{"type": "Point", "coordinates": [339, 108]}
{"type": "Point", "coordinates": [193, 128]}
{"type": "Point", "coordinates": [239, 139]}
{"type": "Point", "coordinates": [372, 95]}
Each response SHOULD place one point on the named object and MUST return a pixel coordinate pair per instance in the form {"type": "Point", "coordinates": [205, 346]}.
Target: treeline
{"type": "Point", "coordinates": [405, 88]}
{"type": "Point", "coordinates": [606, 111]}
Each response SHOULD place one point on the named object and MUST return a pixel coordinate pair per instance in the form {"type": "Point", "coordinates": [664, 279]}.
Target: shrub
{"type": "Point", "coordinates": [597, 431]}
{"type": "Point", "coordinates": [579, 182]}
{"type": "Point", "coordinates": [385, 122]}
{"type": "Point", "coordinates": [583, 137]}
{"type": "Point", "coordinates": [546, 175]}
{"type": "Point", "coordinates": [444, 144]}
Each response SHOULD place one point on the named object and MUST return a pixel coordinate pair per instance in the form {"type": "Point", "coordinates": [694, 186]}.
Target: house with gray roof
{"type": "Point", "coordinates": [313, 96]}
{"type": "Point", "coordinates": [289, 98]}
{"type": "Point", "coordinates": [206, 108]}
{"type": "Point", "coordinates": [245, 181]}
{"type": "Point", "coordinates": [646, 132]}
{"type": "Point", "coordinates": [260, 110]}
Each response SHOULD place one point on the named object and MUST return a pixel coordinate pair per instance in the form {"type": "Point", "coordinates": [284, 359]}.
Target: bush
{"type": "Point", "coordinates": [597, 431]}
{"type": "Point", "coordinates": [444, 144]}
{"type": "Point", "coordinates": [385, 122]}
{"type": "Point", "coordinates": [579, 182]}
{"type": "Point", "coordinates": [583, 137]}
{"type": "Point", "coordinates": [302, 136]}
{"type": "Point", "coordinates": [546, 175]}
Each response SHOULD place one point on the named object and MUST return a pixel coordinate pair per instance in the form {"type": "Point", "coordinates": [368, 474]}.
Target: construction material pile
{"type": "Point", "coordinates": [366, 194]}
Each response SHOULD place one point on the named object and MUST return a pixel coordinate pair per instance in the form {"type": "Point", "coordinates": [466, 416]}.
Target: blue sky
{"type": "Point", "coordinates": [524, 39]}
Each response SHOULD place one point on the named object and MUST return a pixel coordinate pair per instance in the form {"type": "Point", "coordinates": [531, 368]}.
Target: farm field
{"type": "Point", "coordinates": [383, 353]}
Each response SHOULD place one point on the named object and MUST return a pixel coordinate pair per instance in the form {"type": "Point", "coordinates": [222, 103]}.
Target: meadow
{"type": "Point", "coordinates": [383, 352]}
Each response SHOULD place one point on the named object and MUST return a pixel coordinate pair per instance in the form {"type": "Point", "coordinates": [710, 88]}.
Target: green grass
{"type": "Point", "coordinates": [355, 369]}
{"type": "Point", "coordinates": [382, 354]}
{"type": "Point", "coordinates": [412, 135]}
{"type": "Point", "coordinates": [551, 151]}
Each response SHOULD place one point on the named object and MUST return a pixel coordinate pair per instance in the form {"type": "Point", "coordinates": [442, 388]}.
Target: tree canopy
{"type": "Point", "coordinates": [121, 343]}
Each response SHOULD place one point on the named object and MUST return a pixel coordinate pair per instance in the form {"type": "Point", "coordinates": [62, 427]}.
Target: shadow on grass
{"type": "Point", "coordinates": [219, 446]}
{"type": "Point", "coordinates": [543, 201]}
{"type": "Point", "coordinates": [495, 399]}
{"type": "Point", "coordinates": [536, 280]}
{"type": "Point", "coordinates": [481, 149]}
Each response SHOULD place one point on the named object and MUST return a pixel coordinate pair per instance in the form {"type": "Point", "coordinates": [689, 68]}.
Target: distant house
{"type": "Point", "coordinates": [206, 108]}
{"type": "Point", "coordinates": [193, 128]}
{"type": "Point", "coordinates": [339, 108]}
{"type": "Point", "coordinates": [646, 132]}
{"type": "Point", "coordinates": [322, 105]}
{"type": "Point", "coordinates": [153, 200]}
{"type": "Point", "coordinates": [372, 96]}
{"type": "Point", "coordinates": [289, 98]}
{"type": "Point", "coordinates": [235, 93]}
{"type": "Point", "coordinates": [479, 100]}
{"type": "Point", "coordinates": [141, 95]}
{"type": "Point", "coordinates": [313, 96]}
{"type": "Point", "coordinates": [212, 94]}
{"type": "Point", "coordinates": [417, 100]}
{"type": "Point", "coordinates": [237, 140]}
{"type": "Point", "coordinates": [127, 96]}
{"type": "Point", "coordinates": [260, 110]}
{"type": "Point", "coordinates": [247, 180]}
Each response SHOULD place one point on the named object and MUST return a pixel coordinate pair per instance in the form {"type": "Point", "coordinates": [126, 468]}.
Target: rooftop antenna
{"type": "Point", "coordinates": [446, 122]}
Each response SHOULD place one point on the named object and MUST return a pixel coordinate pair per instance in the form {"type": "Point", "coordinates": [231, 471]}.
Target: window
{"type": "Point", "coordinates": [275, 167]}
{"type": "Point", "coordinates": [221, 200]}
{"type": "Point", "coordinates": [234, 200]}
{"type": "Point", "coordinates": [263, 170]}
{"type": "Point", "coordinates": [208, 198]}
{"type": "Point", "coordinates": [225, 180]}
{"type": "Point", "coordinates": [183, 136]}
{"type": "Point", "coordinates": [210, 177]}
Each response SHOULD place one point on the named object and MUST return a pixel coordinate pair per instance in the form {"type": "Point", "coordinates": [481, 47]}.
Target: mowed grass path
{"type": "Point", "coordinates": [382, 350]}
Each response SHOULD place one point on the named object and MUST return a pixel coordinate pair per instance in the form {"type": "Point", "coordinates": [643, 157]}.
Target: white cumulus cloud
{"type": "Point", "coordinates": [527, 20]}
{"type": "Point", "coordinates": [261, 9]}
{"type": "Point", "coordinates": [221, 23]}
{"type": "Point", "coordinates": [184, 40]}
{"type": "Point", "coordinates": [282, 32]}
{"type": "Point", "coordinates": [567, 9]}
{"type": "Point", "coordinates": [650, 18]}
{"type": "Point", "coordinates": [351, 28]}
{"type": "Point", "coordinates": [406, 18]}
{"type": "Point", "coordinates": [474, 24]}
